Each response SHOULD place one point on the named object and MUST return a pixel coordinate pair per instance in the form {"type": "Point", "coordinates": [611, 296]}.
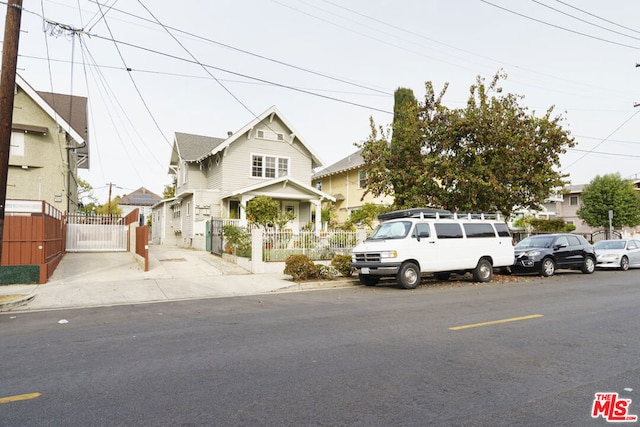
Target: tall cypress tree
{"type": "Point", "coordinates": [405, 148]}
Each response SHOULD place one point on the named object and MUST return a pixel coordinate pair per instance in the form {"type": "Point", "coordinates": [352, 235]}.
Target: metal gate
{"type": "Point", "coordinates": [216, 236]}
{"type": "Point", "coordinates": [96, 233]}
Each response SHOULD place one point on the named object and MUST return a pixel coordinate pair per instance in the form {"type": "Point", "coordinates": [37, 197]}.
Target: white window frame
{"type": "Point", "coordinates": [270, 135]}
{"type": "Point", "coordinates": [271, 164]}
{"type": "Point", "coordinates": [16, 147]}
{"type": "Point", "coordinates": [362, 180]}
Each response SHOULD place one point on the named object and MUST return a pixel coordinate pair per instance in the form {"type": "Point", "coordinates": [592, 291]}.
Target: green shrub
{"type": "Point", "coordinates": [300, 267]}
{"type": "Point", "coordinates": [342, 263]}
{"type": "Point", "coordinates": [237, 239]}
{"type": "Point", "coordinates": [327, 271]}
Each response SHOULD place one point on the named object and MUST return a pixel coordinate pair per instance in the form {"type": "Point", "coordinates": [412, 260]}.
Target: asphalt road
{"type": "Point", "coordinates": [528, 352]}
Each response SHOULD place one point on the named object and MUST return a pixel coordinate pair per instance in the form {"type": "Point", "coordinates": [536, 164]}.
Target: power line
{"type": "Point", "coordinates": [256, 55]}
{"type": "Point", "coordinates": [559, 27]}
{"type": "Point", "coordinates": [584, 20]}
{"type": "Point", "coordinates": [598, 17]}
{"type": "Point", "coordinates": [601, 142]}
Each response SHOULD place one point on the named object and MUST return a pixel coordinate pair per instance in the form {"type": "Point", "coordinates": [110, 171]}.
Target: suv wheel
{"type": "Point", "coordinates": [548, 267]}
{"type": "Point", "coordinates": [589, 265]}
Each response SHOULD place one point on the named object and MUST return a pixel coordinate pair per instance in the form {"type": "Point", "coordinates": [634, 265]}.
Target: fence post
{"type": "Point", "coordinates": [257, 264]}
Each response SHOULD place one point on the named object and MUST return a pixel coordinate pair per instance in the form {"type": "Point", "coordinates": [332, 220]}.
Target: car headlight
{"type": "Point", "coordinates": [532, 254]}
{"type": "Point", "coordinates": [388, 254]}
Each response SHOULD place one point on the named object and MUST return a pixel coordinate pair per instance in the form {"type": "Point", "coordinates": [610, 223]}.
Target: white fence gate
{"type": "Point", "coordinates": [96, 233]}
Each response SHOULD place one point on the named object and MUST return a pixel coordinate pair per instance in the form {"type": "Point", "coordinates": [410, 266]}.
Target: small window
{"type": "Point", "coordinates": [260, 134]}
{"type": "Point", "coordinates": [269, 167]}
{"type": "Point", "coordinates": [280, 136]}
{"type": "Point", "coordinates": [573, 200]}
{"type": "Point", "coordinates": [256, 166]}
{"type": "Point", "coordinates": [448, 231]}
{"type": "Point", "coordinates": [573, 241]}
{"type": "Point", "coordinates": [421, 230]}
{"type": "Point", "coordinates": [188, 208]}
{"type": "Point", "coordinates": [478, 230]}
{"type": "Point", "coordinates": [362, 179]}
{"type": "Point", "coordinates": [502, 229]}
{"type": "Point", "coordinates": [283, 167]}
{"type": "Point", "coordinates": [319, 185]}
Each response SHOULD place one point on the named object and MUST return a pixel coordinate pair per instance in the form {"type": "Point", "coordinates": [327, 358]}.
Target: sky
{"type": "Point", "coordinates": [153, 68]}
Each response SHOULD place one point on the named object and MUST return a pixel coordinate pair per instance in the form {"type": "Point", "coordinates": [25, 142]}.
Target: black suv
{"type": "Point", "coordinates": [544, 253]}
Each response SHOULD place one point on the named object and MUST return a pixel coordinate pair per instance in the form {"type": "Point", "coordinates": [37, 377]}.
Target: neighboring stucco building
{"type": "Point", "coordinates": [572, 201]}
{"type": "Point", "coordinates": [48, 144]}
{"type": "Point", "coordinates": [216, 178]}
{"type": "Point", "coordinates": [346, 181]}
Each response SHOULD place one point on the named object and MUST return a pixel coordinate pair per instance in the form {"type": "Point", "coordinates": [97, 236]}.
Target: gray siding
{"type": "Point", "coordinates": [236, 164]}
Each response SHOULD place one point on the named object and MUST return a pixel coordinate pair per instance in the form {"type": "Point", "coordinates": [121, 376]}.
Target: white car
{"type": "Point", "coordinates": [620, 254]}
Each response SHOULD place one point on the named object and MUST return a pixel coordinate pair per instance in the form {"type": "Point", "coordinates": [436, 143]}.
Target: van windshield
{"type": "Point", "coordinates": [391, 230]}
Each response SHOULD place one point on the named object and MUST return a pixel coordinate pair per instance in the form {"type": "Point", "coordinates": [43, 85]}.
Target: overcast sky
{"type": "Point", "coordinates": [211, 66]}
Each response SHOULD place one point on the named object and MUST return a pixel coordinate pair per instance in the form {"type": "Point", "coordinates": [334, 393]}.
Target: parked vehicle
{"type": "Point", "coordinates": [414, 242]}
{"type": "Point", "coordinates": [620, 254]}
{"type": "Point", "coordinates": [545, 253]}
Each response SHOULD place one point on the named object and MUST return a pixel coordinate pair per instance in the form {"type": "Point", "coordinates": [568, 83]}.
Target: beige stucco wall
{"type": "Point", "coordinates": [39, 172]}
{"type": "Point", "coordinates": [346, 183]}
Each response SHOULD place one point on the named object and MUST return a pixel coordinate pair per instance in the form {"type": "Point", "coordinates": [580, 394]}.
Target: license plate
{"type": "Point", "coordinates": [364, 270]}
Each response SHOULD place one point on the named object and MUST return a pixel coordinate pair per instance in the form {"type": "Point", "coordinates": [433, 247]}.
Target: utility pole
{"type": "Point", "coordinates": [7, 87]}
{"type": "Point", "coordinates": [109, 203]}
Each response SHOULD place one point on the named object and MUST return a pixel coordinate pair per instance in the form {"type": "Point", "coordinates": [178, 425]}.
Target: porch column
{"type": "Point", "coordinates": [318, 223]}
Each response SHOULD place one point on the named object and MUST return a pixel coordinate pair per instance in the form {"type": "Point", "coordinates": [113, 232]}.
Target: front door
{"type": "Point", "coordinates": [294, 208]}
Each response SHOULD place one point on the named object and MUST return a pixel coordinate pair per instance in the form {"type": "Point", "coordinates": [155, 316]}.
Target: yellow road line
{"type": "Point", "coordinates": [495, 322]}
{"type": "Point", "coordinates": [19, 397]}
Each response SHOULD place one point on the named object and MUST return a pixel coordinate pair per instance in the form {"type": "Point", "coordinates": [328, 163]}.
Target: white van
{"type": "Point", "coordinates": [414, 242]}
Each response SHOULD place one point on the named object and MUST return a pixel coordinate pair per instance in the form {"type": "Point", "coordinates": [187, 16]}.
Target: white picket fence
{"type": "Point", "coordinates": [279, 245]}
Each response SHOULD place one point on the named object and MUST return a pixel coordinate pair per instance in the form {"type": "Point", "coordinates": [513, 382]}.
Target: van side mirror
{"type": "Point", "coordinates": [422, 234]}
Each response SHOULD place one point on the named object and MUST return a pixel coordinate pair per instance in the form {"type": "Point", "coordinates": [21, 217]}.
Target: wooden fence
{"type": "Point", "coordinates": [33, 241]}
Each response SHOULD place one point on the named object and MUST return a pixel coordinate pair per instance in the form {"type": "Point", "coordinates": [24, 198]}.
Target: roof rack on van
{"type": "Point", "coordinates": [437, 214]}
{"type": "Point", "coordinates": [478, 215]}
{"type": "Point", "coordinates": [414, 213]}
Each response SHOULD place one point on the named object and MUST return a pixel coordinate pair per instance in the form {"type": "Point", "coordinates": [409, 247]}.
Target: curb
{"type": "Point", "coordinates": [19, 301]}
{"type": "Point", "coordinates": [324, 284]}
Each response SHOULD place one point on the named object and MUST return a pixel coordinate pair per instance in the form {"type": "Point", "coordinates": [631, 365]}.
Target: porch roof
{"type": "Point", "coordinates": [281, 188]}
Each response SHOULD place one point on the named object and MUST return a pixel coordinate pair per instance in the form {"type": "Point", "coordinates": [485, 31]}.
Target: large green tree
{"type": "Point", "coordinates": [266, 212]}
{"type": "Point", "coordinates": [610, 192]}
{"type": "Point", "coordinates": [491, 155]}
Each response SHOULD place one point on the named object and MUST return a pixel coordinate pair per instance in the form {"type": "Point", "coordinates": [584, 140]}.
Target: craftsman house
{"type": "Point", "coordinates": [48, 145]}
{"type": "Point", "coordinates": [216, 177]}
{"type": "Point", "coordinates": [346, 181]}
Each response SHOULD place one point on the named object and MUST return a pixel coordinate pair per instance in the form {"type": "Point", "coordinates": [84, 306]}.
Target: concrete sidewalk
{"type": "Point", "coordinates": [114, 278]}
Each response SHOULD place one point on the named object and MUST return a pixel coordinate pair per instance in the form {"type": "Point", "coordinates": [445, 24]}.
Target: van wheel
{"type": "Point", "coordinates": [589, 265]}
{"type": "Point", "coordinates": [368, 280]}
{"type": "Point", "coordinates": [483, 271]}
{"type": "Point", "coordinates": [409, 275]}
